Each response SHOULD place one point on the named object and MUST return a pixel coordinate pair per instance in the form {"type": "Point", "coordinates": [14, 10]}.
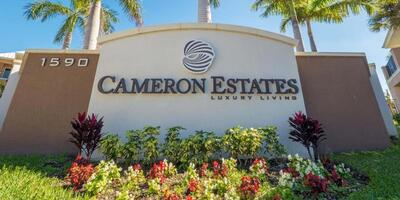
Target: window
{"type": "Point", "coordinates": [391, 66]}
{"type": "Point", "coordinates": [6, 73]}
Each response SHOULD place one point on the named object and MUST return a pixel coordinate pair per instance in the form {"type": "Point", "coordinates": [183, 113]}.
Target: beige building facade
{"type": "Point", "coordinates": [391, 70]}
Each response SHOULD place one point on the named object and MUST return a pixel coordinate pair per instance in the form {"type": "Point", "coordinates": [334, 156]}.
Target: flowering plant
{"type": "Point", "coordinates": [249, 187]}
{"type": "Point", "coordinates": [79, 172]}
{"type": "Point", "coordinates": [316, 183]}
{"type": "Point", "coordinates": [104, 175]}
{"type": "Point", "coordinates": [259, 168]}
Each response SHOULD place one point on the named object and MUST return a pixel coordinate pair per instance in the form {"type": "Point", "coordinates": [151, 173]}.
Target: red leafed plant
{"type": "Point", "coordinates": [317, 184]}
{"type": "Point", "coordinates": [307, 132]}
{"type": "Point", "coordinates": [86, 134]}
{"type": "Point", "coordinates": [157, 171]}
{"type": "Point", "coordinates": [173, 196]}
{"type": "Point", "coordinates": [220, 169]}
{"type": "Point", "coordinates": [203, 170]}
{"type": "Point", "coordinates": [192, 187]}
{"type": "Point", "coordinates": [259, 166]}
{"type": "Point", "coordinates": [249, 187]}
{"type": "Point", "coordinates": [79, 172]}
{"type": "Point", "coordinates": [333, 174]}
{"type": "Point", "coordinates": [292, 172]}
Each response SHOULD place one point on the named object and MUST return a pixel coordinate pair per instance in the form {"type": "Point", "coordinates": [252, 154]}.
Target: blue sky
{"type": "Point", "coordinates": [351, 36]}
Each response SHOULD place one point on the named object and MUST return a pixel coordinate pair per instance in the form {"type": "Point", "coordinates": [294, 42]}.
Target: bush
{"type": "Point", "coordinates": [86, 134]}
{"type": "Point", "coordinates": [172, 144]}
{"type": "Point", "coordinates": [105, 174]}
{"type": "Point", "coordinates": [271, 142]}
{"type": "Point", "coordinates": [198, 148]}
{"type": "Point", "coordinates": [150, 145]}
{"type": "Point", "coordinates": [111, 147]}
{"type": "Point", "coordinates": [307, 132]}
{"type": "Point", "coordinates": [79, 172]}
{"type": "Point", "coordinates": [239, 141]}
{"type": "Point", "coordinates": [143, 145]}
{"type": "Point", "coordinates": [133, 149]}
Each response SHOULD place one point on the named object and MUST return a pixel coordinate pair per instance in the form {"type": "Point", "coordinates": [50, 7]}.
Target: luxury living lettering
{"type": "Point", "coordinates": [219, 85]}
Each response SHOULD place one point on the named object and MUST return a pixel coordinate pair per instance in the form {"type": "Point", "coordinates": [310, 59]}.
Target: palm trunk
{"type": "Point", "coordinates": [93, 25]}
{"type": "Point", "coordinates": [139, 22]}
{"type": "Point", "coordinates": [311, 36]}
{"type": "Point", "coordinates": [67, 40]}
{"type": "Point", "coordinates": [296, 27]}
{"type": "Point", "coordinates": [204, 11]}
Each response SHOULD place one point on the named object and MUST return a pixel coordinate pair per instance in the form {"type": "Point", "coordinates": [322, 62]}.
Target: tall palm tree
{"type": "Point", "coordinates": [204, 10]}
{"type": "Point", "coordinates": [75, 15]}
{"type": "Point", "coordinates": [92, 29]}
{"type": "Point", "coordinates": [386, 16]}
{"type": "Point", "coordinates": [281, 7]}
{"type": "Point", "coordinates": [327, 11]}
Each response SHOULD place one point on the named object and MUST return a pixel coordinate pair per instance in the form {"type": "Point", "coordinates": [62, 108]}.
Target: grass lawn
{"type": "Point", "coordinates": [38, 177]}
{"type": "Point", "coordinates": [383, 169]}
{"type": "Point", "coordinates": [34, 177]}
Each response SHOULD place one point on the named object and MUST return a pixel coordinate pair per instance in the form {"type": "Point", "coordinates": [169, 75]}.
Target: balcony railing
{"type": "Point", "coordinates": [391, 66]}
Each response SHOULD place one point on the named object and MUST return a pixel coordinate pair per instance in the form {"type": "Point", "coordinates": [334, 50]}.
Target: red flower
{"type": "Point", "coordinates": [203, 170]}
{"type": "Point", "coordinates": [192, 186]}
{"type": "Point", "coordinates": [277, 197]}
{"type": "Point", "coordinates": [260, 164]}
{"type": "Point", "coordinates": [188, 197]}
{"type": "Point", "coordinates": [216, 168]}
{"type": "Point", "coordinates": [316, 183]}
{"type": "Point", "coordinates": [157, 171]}
{"type": "Point", "coordinates": [173, 196]}
{"type": "Point", "coordinates": [79, 172]}
{"type": "Point", "coordinates": [220, 170]}
{"type": "Point", "coordinates": [336, 178]}
{"type": "Point", "coordinates": [250, 186]}
{"type": "Point", "coordinates": [137, 167]}
{"type": "Point", "coordinates": [292, 172]}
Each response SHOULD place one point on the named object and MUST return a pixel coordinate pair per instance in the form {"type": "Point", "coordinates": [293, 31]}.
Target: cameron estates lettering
{"type": "Point", "coordinates": [219, 84]}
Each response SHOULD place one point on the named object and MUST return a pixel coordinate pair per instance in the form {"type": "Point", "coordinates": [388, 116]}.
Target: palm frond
{"type": "Point", "coordinates": [133, 9]}
{"type": "Point", "coordinates": [67, 27]}
{"type": "Point", "coordinates": [214, 3]}
{"type": "Point", "coordinates": [45, 9]}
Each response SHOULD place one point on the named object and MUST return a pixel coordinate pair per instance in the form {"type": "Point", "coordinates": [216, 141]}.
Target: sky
{"type": "Point", "coordinates": [18, 34]}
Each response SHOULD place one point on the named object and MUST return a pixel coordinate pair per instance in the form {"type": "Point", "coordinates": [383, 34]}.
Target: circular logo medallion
{"type": "Point", "coordinates": [199, 56]}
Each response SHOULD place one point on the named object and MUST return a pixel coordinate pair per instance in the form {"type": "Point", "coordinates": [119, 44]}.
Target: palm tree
{"type": "Point", "coordinates": [327, 11]}
{"type": "Point", "coordinates": [131, 7]}
{"type": "Point", "coordinates": [281, 7]}
{"type": "Point", "coordinates": [386, 16]}
{"type": "Point", "coordinates": [75, 17]}
{"type": "Point", "coordinates": [204, 10]}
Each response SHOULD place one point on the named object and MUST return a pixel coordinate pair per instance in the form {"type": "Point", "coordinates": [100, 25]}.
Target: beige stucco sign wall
{"type": "Point", "coordinates": [158, 53]}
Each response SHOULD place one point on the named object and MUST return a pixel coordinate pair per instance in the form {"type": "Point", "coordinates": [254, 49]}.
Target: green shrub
{"type": "Point", "coordinates": [111, 147]}
{"type": "Point", "coordinates": [172, 144]}
{"type": "Point", "coordinates": [133, 148]}
{"type": "Point", "coordinates": [199, 148]}
{"type": "Point", "coordinates": [271, 141]}
{"type": "Point", "coordinates": [150, 145]}
{"type": "Point", "coordinates": [239, 141]}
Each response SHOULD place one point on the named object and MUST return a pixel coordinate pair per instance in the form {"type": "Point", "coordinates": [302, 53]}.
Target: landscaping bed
{"type": "Point", "coordinates": [200, 166]}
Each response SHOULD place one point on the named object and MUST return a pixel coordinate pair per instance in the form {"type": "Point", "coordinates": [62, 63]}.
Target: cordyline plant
{"type": "Point", "coordinates": [86, 134]}
{"type": "Point", "coordinates": [307, 132]}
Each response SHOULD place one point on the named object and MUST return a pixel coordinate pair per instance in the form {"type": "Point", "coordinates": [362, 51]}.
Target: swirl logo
{"type": "Point", "coordinates": [199, 56]}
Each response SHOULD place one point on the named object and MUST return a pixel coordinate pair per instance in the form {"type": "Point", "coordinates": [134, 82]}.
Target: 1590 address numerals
{"type": "Point", "coordinates": [67, 62]}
